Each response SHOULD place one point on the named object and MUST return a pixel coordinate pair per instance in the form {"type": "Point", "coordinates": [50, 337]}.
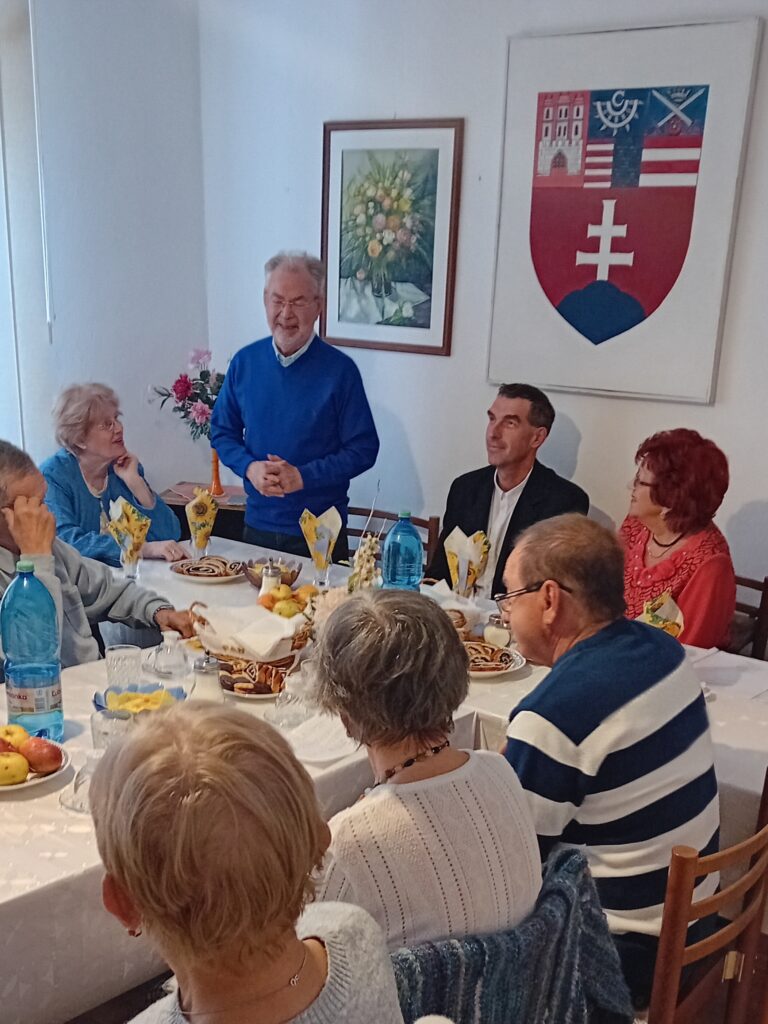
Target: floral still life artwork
{"type": "Point", "coordinates": [387, 236]}
{"type": "Point", "coordinates": [391, 193]}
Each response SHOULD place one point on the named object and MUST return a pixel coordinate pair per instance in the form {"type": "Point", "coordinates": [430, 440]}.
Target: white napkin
{"type": "Point", "coordinates": [320, 740]}
{"type": "Point", "coordinates": [447, 599]}
{"type": "Point", "coordinates": [252, 633]}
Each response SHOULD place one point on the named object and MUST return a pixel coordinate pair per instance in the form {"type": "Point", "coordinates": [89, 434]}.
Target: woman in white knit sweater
{"type": "Point", "coordinates": [209, 830]}
{"type": "Point", "coordinates": [444, 844]}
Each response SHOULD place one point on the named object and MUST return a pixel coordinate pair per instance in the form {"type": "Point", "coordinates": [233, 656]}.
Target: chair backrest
{"type": "Point", "coordinates": [430, 527]}
{"type": "Point", "coordinates": [730, 951]}
{"type": "Point", "coordinates": [558, 966]}
{"type": "Point", "coordinates": [757, 613]}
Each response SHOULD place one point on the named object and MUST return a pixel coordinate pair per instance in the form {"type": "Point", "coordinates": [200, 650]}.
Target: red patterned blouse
{"type": "Point", "coordinates": [699, 576]}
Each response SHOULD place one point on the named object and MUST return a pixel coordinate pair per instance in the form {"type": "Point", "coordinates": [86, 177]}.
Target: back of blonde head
{"type": "Point", "coordinates": [209, 822]}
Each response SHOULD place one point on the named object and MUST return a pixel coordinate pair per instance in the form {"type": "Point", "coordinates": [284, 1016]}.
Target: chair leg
{"type": "Point", "coordinates": [740, 990]}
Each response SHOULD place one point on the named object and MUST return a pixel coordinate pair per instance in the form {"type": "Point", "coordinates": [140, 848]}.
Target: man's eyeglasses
{"type": "Point", "coordinates": [297, 305]}
{"type": "Point", "coordinates": [532, 588]}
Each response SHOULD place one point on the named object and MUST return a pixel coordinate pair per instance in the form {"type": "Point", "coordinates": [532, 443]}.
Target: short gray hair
{"type": "Point", "coordinates": [13, 463]}
{"type": "Point", "coordinates": [75, 410]}
{"type": "Point", "coordinates": [580, 554]}
{"type": "Point", "coordinates": [392, 663]}
{"type": "Point", "coordinates": [297, 259]}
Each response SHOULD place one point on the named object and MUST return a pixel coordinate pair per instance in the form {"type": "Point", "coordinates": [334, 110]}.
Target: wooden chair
{"type": "Point", "coordinates": [730, 952]}
{"type": "Point", "coordinates": [750, 623]}
{"type": "Point", "coordinates": [429, 526]}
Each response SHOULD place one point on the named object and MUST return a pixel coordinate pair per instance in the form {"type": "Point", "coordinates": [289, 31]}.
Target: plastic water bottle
{"type": "Point", "coordinates": [30, 639]}
{"type": "Point", "coordinates": [403, 556]}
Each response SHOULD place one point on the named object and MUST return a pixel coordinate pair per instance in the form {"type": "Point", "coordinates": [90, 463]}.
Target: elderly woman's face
{"type": "Point", "coordinates": [641, 504]}
{"type": "Point", "coordinates": [104, 437]}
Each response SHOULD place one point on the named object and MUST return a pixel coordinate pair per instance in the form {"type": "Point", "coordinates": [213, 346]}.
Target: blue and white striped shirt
{"type": "Point", "coordinates": [614, 751]}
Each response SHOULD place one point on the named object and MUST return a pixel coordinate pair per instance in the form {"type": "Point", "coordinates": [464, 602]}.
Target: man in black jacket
{"type": "Point", "coordinates": [515, 490]}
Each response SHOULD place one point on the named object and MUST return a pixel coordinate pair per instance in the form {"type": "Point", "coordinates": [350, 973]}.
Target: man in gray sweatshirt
{"type": "Point", "coordinates": [86, 592]}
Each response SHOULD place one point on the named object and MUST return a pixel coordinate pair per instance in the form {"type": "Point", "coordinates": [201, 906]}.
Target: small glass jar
{"type": "Point", "coordinates": [271, 576]}
{"type": "Point", "coordinates": [496, 632]}
{"type": "Point", "coordinates": [206, 673]}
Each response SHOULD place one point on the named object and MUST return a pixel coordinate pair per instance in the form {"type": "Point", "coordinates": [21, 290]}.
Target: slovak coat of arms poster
{"type": "Point", "coordinates": [621, 168]}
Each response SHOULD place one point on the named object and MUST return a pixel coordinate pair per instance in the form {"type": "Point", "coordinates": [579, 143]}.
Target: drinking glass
{"type": "Point", "coordinates": [123, 664]}
{"type": "Point", "coordinates": [107, 725]}
{"type": "Point", "coordinates": [75, 797]}
{"type": "Point", "coordinates": [130, 566]}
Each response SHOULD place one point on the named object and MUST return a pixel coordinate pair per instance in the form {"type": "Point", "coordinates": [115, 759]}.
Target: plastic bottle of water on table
{"type": "Point", "coordinates": [30, 639]}
{"type": "Point", "coordinates": [402, 559]}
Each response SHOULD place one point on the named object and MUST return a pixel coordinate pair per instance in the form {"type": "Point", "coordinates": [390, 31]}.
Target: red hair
{"type": "Point", "coordinates": [690, 477]}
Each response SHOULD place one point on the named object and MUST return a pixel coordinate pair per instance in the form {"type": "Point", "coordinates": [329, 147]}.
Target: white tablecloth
{"type": "Point", "coordinates": [61, 953]}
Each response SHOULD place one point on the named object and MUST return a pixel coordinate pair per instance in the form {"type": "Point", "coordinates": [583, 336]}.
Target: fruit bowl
{"type": "Point", "coordinates": [132, 697]}
{"type": "Point", "coordinates": [289, 572]}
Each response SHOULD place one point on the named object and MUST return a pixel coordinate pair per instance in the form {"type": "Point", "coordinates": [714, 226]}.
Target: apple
{"type": "Point", "coordinates": [44, 757]}
{"type": "Point", "coordinates": [13, 769]}
{"type": "Point", "coordinates": [6, 747]}
{"type": "Point", "coordinates": [13, 734]}
{"type": "Point", "coordinates": [282, 592]}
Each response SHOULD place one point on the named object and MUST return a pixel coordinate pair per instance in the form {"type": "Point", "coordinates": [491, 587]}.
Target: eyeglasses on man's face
{"type": "Point", "coordinates": [296, 305]}
{"type": "Point", "coordinates": [532, 588]}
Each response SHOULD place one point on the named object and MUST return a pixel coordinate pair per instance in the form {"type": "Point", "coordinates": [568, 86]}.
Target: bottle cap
{"type": "Point", "coordinates": [24, 565]}
{"type": "Point", "coordinates": [405, 514]}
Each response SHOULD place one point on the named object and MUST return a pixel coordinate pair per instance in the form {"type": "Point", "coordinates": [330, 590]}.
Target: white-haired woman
{"type": "Point", "coordinates": [444, 844]}
{"type": "Point", "coordinates": [92, 468]}
{"type": "Point", "coordinates": [209, 831]}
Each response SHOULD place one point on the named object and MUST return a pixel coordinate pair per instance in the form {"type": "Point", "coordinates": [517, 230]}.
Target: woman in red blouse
{"type": "Point", "coordinates": [672, 546]}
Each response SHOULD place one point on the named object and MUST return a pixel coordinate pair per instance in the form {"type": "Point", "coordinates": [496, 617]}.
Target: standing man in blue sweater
{"type": "Point", "coordinates": [292, 418]}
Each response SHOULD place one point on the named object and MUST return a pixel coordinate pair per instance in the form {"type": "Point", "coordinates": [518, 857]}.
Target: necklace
{"type": "Point", "coordinates": [423, 756]}
{"type": "Point", "coordinates": [292, 982]}
{"type": "Point", "coordinates": [671, 543]}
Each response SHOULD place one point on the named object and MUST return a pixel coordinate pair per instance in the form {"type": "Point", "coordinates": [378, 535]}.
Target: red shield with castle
{"type": "Point", "coordinates": [614, 189]}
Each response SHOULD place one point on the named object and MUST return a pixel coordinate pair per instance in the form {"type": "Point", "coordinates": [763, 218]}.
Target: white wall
{"type": "Point", "coordinates": [121, 148]}
{"type": "Point", "coordinates": [271, 73]}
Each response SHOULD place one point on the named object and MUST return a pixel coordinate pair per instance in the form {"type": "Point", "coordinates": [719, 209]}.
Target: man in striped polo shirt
{"type": "Point", "coordinates": [613, 747]}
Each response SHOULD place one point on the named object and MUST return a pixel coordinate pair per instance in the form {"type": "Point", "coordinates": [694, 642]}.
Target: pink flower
{"type": "Point", "coordinates": [199, 358]}
{"type": "Point", "coordinates": [200, 412]}
{"type": "Point", "coordinates": [379, 222]}
{"type": "Point", "coordinates": [182, 388]}
{"type": "Point", "coordinates": [404, 236]}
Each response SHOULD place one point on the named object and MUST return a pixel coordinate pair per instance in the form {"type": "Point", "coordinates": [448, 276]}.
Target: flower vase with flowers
{"type": "Point", "coordinates": [194, 395]}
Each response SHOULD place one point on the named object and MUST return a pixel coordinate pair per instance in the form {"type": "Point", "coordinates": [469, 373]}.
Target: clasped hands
{"type": "Point", "coordinates": [274, 478]}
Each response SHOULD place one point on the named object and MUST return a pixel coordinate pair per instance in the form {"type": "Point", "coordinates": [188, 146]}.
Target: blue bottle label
{"type": "Point", "coordinates": [33, 700]}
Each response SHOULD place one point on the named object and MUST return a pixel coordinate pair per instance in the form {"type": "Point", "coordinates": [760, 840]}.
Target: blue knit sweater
{"type": "Point", "coordinates": [78, 512]}
{"type": "Point", "coordinates": [559, 966]}
{"type": "Point", "coordinates": [313, 413]}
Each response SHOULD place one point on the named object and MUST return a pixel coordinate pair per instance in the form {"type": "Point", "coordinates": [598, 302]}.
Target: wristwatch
{"type": "Point", "coordinates": [162, 608]}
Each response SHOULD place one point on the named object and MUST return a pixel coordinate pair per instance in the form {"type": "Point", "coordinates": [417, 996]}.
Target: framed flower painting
{"type": "Point", "coordinates": [390, 221]}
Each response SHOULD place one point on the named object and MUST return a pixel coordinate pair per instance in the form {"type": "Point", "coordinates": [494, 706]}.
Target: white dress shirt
{"type": "Point", "coordinates": [287, 360]}
{"type": "Point", "coordinates": [503, 504]}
